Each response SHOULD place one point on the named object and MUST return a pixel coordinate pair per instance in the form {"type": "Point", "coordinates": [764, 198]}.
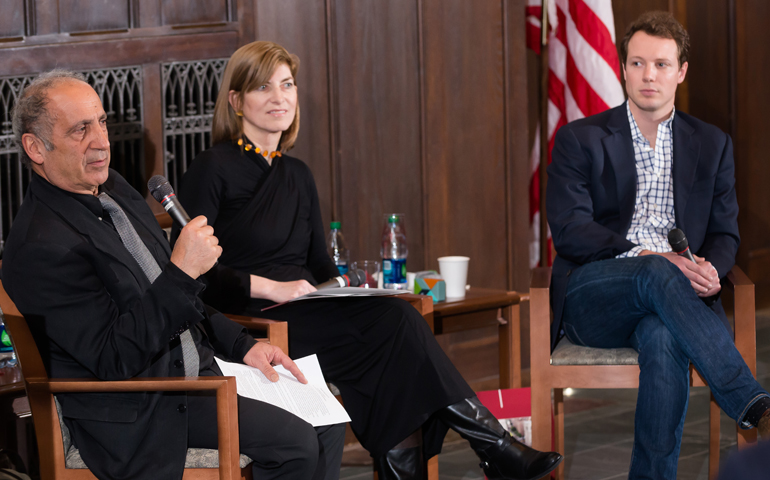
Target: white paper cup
{"type": "Point", "coordinates": [454, 270]}
{"type": "Point", "coordinates": [410, 276]}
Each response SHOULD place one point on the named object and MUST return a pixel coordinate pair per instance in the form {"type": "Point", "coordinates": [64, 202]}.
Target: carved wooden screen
{"type": "Point", "coordinates": [189, 95]}
{"type": "Point", "coordinates": [13, 177]}
{"type": "Point", "coordinates": [120, 90]}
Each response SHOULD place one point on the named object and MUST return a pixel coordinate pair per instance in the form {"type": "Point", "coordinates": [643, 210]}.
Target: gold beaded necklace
{"type": "Point", "coordinates": [258, 150]}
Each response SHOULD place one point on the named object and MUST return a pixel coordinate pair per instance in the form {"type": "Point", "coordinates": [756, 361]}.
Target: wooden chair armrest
{"type": "Point", "coordinates": [737, 278]}
{"type": "Point", "coordinates": [745, 325]}
{"type": "Point", "coordinates": [166, 384]}
{"type": "Point", "coordinates": [540, 318]}
{"type": "Point", "coordinates": [276, 331]}
{"type": "Point", "coordinates": [50, 437]}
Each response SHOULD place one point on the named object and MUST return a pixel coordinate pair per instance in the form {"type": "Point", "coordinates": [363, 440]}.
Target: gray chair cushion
{"type": "Point", "coordinates": [567, 353]}
{"type": "Point", "coordinates": [196, 457]}
{"type": "Point", "coordinates": [208, 458]}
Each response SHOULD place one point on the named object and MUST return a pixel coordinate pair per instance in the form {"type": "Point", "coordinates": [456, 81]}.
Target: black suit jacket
{"type": "Point", "coordinates": [94, 313]}
{"type": "Point", "coordinates": [592, 189]}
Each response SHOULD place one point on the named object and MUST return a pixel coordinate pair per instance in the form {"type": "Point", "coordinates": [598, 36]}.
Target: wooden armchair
{"type": "Point", "coordinates": [615, 368]}
{"type": "Point", "coordinates": [41, 389]}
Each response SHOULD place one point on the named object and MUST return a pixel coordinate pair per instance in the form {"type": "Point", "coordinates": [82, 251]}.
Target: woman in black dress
{"type": "Point", "coordinates": [393, 376]}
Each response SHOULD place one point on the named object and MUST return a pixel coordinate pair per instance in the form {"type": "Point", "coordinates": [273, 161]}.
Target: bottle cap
{"type": "Point", "coordinates": [393, 217]}
{"type": "Point", "coordinates": [334, 225]}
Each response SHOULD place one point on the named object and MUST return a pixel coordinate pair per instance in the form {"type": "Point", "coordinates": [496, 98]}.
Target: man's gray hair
{"type": "Point", "coordinates": [31, 115]}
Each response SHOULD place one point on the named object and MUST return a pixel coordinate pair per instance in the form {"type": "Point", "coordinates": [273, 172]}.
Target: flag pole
{"type": "Point", "coordinates": [543, 132]}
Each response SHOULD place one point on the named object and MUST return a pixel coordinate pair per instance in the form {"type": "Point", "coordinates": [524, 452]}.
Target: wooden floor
{"type": "Point", "coordinates": [599, 428]}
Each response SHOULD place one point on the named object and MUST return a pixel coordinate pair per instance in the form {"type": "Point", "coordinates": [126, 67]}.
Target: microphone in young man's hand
{"type": "Point", "coordinates": [353, 278]}
{"type": "Point", "coordinates": [679, 244]}
{"type": "Point", "coordinates": [162, 191]}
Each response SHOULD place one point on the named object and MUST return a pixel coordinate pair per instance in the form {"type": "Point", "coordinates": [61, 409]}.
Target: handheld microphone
{"type": "Point", "coordinates": [354, 278]}
{"type": "Point", "coordinates": [679, 244]}
{"type": "Point", "coordinates": [162, 191]}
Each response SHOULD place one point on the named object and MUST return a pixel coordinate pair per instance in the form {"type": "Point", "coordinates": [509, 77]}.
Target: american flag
{"type": "Point", "coordinates": [583, 78]}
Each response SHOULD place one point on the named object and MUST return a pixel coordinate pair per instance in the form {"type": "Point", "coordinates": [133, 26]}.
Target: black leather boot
{"type": "Point", "coordinates": [404, 461]}
{"type": "Point", "coordinates": [502, 457]}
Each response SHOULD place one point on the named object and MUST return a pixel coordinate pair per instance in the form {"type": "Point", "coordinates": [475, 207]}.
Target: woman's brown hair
{"type": "Point", "coordinates": [251, 66]}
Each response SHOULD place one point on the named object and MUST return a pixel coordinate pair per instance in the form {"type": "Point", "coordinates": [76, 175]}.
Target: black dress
{"type": "Point", "coordinates": [379, 352]}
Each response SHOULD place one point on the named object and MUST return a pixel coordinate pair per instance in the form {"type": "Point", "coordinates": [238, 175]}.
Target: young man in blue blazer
{"type": "Point", "coordinates": [618, 183]}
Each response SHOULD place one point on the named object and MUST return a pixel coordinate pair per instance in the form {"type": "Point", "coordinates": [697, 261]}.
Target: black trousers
{"type": "Point", "coordinates": [380, 353]}
{"type": "Point", "coordinates": [282, 445]}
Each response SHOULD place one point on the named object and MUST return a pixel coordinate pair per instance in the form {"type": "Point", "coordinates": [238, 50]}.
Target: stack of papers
{"type": "Point", "coordinates": [312, 402]}
{"type": "Point", "coordinates": [350, 292]}
{"type": "Point", "coordinates": [342, 292]}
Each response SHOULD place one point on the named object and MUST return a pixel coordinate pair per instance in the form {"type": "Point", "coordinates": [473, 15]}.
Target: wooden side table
{"type": "Point", "coordinates": [483, 307]}
{"type": "Point", "coordinates": [11, 381]}
{"type": "Point", "coordinates": [12, 432]}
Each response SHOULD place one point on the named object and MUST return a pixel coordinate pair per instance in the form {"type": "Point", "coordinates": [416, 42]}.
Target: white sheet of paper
{"type": "Point", "coordinates": [313, 402]}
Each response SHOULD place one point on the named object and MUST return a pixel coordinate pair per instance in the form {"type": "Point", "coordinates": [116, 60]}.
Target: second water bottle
{"type": "Point", "coordinates": [394, 251]}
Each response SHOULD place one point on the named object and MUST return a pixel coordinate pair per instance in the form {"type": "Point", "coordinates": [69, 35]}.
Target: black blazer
{"type": "Point", "coordinates": [94, 313]}
{"type": "Point", "coordinates": [592, 189]}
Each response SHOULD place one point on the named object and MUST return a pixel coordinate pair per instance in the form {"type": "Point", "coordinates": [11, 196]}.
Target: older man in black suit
{"type": "Point", "coordinates": [105, 297]}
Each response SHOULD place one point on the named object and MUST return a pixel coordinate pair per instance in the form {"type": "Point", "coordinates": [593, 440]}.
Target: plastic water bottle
{"type": "Point", "coordinates": [7, 355]}
{"type": "Point", "coordinates": [394, 252]}
{"type": "Point", "coordinates": [337, 248]}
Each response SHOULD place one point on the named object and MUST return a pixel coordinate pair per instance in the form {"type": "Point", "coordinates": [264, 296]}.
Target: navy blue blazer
{"type": "Point", "coordinates": [592, 189]}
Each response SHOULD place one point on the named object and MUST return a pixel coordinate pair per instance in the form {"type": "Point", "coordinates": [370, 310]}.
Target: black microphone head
{"type": "Point", "coordinates": [356, 277]}
{"type": "Point", "coordinates": [677, 240]}
{"type": "Point", "coordinates": [159, 187]}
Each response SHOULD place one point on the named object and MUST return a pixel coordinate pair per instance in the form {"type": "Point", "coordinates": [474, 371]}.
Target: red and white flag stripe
{"type": "Point", "coordinates": [583, 80]}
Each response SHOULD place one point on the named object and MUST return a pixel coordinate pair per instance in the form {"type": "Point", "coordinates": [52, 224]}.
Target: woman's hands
{"type": "Point", "coordinates": [279, 292]}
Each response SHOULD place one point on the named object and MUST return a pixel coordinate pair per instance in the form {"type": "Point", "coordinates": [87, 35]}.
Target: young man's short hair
{"type": "Point", "coordinates": [658, 24]}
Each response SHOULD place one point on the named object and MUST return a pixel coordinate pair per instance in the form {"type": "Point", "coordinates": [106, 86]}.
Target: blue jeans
{"type": "Point", "coordinates": [648, 304]}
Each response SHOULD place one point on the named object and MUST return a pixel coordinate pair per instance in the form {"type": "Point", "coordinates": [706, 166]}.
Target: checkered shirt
{"type": "Point", "coordinates": [654, 205]}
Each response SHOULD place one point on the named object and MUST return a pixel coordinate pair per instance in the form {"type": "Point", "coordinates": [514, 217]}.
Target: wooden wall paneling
{"type": "Point", "coordinates": [465, 136]}
{"type": "Point", "coordinates": [243, 13]}
{"type": "Point", "coordinates": [108, 51]}
{"type": "Point", "coordinates": [13, 19]}
{"type": "Point", "coordinates": [752, 168]}
{"type": "Point", "coordinates": [731, 66]}
{"type": "Point", "coordinates": [517, 145]}
{"type": "Point", "coordinates": [46, 14]}
{"type": "Point", "coordinates": [77, 16]}
{"type": "Point", "coordinates": [300, 26]}
{"type": "Point", "coordinates": [193, 12]}
{"type": "Point", "coordinates": [334, 127]}
{"type": "Point", "coordinates": [424, 170]}
{"type": "Point", "coordinates": [678, 9]}
{"type": "Point", "coordinates": [517, 93]}
{"type": "Point", "coordinates": [377, 73]}
{"type": "Point", "coordinates": [147, 13]}
{"type": "Point", "coordinates": [626, 12]}
{"type": "Point", "coordinates": [708, 72]}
